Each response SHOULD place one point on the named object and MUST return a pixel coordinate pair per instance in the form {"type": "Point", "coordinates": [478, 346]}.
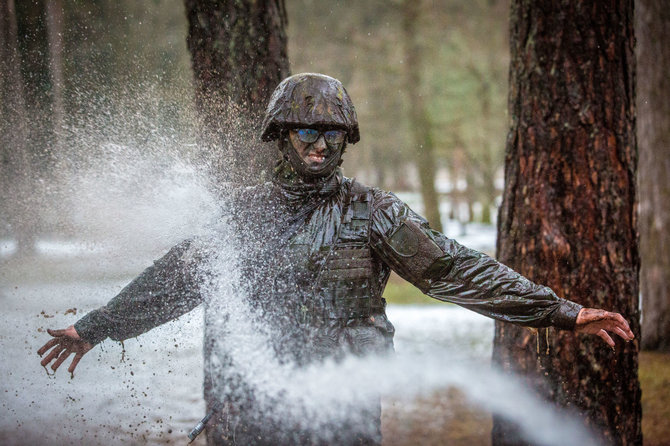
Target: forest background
{"type": "Point", "coordinates": [111, 53]}
{"type": "Point", "coordinates": [130, 58]}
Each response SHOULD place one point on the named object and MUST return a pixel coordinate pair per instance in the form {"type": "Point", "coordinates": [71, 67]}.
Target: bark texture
{"type": "Point", "coordinates": [568, 218]}
{"type": "Point", "coordinates": [652, 26]}
{"type": "Point", "coordinates": [238, 52]}
{"type": "Point", "coordinates": [418, 115]}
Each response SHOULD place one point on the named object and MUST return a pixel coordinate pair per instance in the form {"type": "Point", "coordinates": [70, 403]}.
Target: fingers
{"type": "Point", "coordinates": [600, 322]}
{"type": "Point", "coordinates": [622, 334]}
{"type": "Point", "coordinates": [56, 333]}
{"type": "Point", "coordinates": [629, 333]}
{"type": "Point", "coordinates": [52, 355]}
{"type": "Point", "coordinates": [62, 357]}
{"type": "Point", "coordinates": [622, 324]}
{"type": "Point", "coordinates": [47, 346]}
{"type": "Point", "coordinates": [64, 343]}
{"type": "Point", "coordinates": [619, 325]}
{"type": "Point", "coordinates": [75, 361]}
{"type": "Point", "coordinates": [621, 320]}
{"type": "Point", "coordinates": [606, 337]}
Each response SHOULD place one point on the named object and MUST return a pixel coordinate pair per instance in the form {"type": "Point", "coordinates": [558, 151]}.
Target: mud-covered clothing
{"type": "Point", "coordinates": [399, 240]}
{"type": "Point", "coordinates": [329, 252]}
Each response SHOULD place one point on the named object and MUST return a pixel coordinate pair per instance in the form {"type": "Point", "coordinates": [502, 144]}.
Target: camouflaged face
{"type": "Point", "coordinates": [310, 100]}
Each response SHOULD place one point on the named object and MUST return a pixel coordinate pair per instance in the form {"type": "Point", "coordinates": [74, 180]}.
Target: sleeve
{"type": "Point", "coordinates": [450, 272]}
{"type": "Point", "coordinates": [164, 291]}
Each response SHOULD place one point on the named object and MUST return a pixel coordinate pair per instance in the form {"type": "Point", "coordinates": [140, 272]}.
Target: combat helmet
{"type": "Point", "coordinates": [310, 100]}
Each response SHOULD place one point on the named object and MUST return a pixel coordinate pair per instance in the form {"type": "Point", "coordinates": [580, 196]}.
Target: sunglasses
{"type": "Point", "coordinates": [332, 137]}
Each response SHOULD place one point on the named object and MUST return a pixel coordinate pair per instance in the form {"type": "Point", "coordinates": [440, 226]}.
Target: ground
{"type": "Point", "coordinates": [463, 424]}
{"type": "Point", "coordinates": [447, 418]}
{"type": "Point", "coordinates": [156, 392]}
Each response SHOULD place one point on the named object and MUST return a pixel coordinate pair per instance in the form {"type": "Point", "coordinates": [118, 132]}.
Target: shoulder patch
{"type": "Point", "coordinates": [404, 241]}
{"type": "Point", "coordinates": [358, 188]}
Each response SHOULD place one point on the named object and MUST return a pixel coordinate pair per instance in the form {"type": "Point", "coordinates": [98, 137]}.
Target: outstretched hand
{"type": "Point", "coordinates": [602, 323]}
{"type": "Point", "coordinates": [64, 343]}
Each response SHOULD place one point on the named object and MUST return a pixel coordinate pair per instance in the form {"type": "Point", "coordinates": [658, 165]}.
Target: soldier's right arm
{"type": "Point", "coordinates": [445, 270]}
{"type": "Point", "coordinates": [448, 271]}
{"type": "Point", "coordinates": [164, 291]}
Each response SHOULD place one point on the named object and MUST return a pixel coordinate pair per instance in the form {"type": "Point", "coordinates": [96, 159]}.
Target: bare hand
{"type": "Point", "coordinates": [63, 344]}
{"type": "Point", "coordinates": [600, 322]}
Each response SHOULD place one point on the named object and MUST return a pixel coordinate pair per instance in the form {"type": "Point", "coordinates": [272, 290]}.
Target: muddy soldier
{"type": "Point", "coordinates": [328, 245]}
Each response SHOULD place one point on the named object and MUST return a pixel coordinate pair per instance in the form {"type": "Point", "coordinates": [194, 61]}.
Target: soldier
{"type": "Point", "coordinates": [320, 250]}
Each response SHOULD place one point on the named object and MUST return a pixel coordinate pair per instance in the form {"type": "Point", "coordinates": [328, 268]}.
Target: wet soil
{"type": "Point", "coordinates": [447, 418]}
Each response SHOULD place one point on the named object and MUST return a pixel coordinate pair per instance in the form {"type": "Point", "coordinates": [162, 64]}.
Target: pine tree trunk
{"type": "Point", "coordinates": [238, 52]}
{"type": "Point", "coordinates": [568, 218]}
{"type": "Point", "coordinates": [418, 116]}
{"type": "Point", "coordinates": [652, 27]}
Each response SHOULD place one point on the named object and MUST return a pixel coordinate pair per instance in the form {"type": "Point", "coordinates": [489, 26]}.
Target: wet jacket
{"type": "Point", "coordinates": [330, 249]}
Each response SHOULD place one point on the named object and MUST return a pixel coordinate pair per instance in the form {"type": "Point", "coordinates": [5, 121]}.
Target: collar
{"type": "Point", "coordinates": [297, 190]}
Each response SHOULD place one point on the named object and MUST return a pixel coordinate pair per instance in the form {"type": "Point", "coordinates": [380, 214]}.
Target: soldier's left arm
{"type": "Point", "coordinates": [447, 271]}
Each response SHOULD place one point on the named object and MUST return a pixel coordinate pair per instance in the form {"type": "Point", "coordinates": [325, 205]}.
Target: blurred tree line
{"type": "Point", "coordinates": [452, 55]}
{"type": "Point", "coordinates": [84, 63]}
{"type": "Point", "coordinates": [75, 67]}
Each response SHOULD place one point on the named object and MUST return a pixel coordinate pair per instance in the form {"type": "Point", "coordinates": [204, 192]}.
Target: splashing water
{"type": "Point", "coordinates": [132, 184]}
{"type": "Point", "coordinates": [331, 393]}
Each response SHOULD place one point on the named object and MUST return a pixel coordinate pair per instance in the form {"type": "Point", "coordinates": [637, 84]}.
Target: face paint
{"type": "Point", "coordinates": [318, 158]}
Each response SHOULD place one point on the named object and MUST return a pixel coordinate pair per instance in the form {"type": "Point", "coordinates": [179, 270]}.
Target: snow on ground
{"type": "Point", "coordinates": [154, 390]}
{"type": "Point", "coordinates": [153, 395]}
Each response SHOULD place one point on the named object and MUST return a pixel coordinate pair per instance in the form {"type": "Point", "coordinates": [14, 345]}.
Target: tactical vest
{"type": "Point", "coordinates": [344, 288]}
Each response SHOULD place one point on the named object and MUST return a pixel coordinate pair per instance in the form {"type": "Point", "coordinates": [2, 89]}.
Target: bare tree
{"type": "Point", "coordinates": [419, 119]}
{"type": "Point", "coordinates": [568, 218]}
{"type": "Point", "coordinates": [652, 27]}
{"type": "Point", "coordinates": [15, 165]}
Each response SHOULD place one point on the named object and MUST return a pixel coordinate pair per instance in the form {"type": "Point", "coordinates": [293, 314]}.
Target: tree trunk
{"type": "Point", "coordinates": [15, 160]}
{"type": "Point", "coordinates": [652, 27]}
{"type": "Point", "coordinates": [568, 215]}
{"type": "Point", "coordinates": [418, 115]}
{"type": "Point", "coordinates": [238, 52]}
{"type": "Point", "coordinates": [54, 18]}
{"type": "Point", "coordinates": [489, 195]}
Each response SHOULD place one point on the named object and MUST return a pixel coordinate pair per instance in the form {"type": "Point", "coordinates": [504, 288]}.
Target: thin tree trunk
{"type": "Point", "coordinates": [54, 18]}
{"type": "Point", "coordinates": [470, 194]}
{"type": "Point", "coordinates": [418, 115]}
{"type": "Point", "coordinates": [568, 218]}
{"type": "Point", "coordinates": [490, 192]}
{"type": "Point", "coordinates": [484, 162]}
{"type": "Point", "coordinates": [15, 161]}
{"type": "Point", "coordinates": [652, 27]}
{"type": "Point", "coordinates": [238, 52]}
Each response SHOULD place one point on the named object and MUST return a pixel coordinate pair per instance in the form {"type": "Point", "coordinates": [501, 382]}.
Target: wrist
{"type": "Point", "coordinates": [566, 315]}
{"type": "Point", "coordinates": [72, 332]}
{"type": "Point", "coordinates": [91, 328]}
{"type": "Point", "coordinates": [580, 317]}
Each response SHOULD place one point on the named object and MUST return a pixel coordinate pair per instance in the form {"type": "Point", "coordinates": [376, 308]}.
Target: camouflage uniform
{"type": "Point", "coordinates": [339, 241]}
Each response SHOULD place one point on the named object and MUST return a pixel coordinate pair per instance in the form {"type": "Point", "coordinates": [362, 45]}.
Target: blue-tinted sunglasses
{"type": "Point", "coordinates": [332, 137]}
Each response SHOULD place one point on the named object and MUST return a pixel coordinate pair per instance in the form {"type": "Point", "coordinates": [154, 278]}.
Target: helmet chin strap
{"type": "Point", "coordinates": [302, 168]}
